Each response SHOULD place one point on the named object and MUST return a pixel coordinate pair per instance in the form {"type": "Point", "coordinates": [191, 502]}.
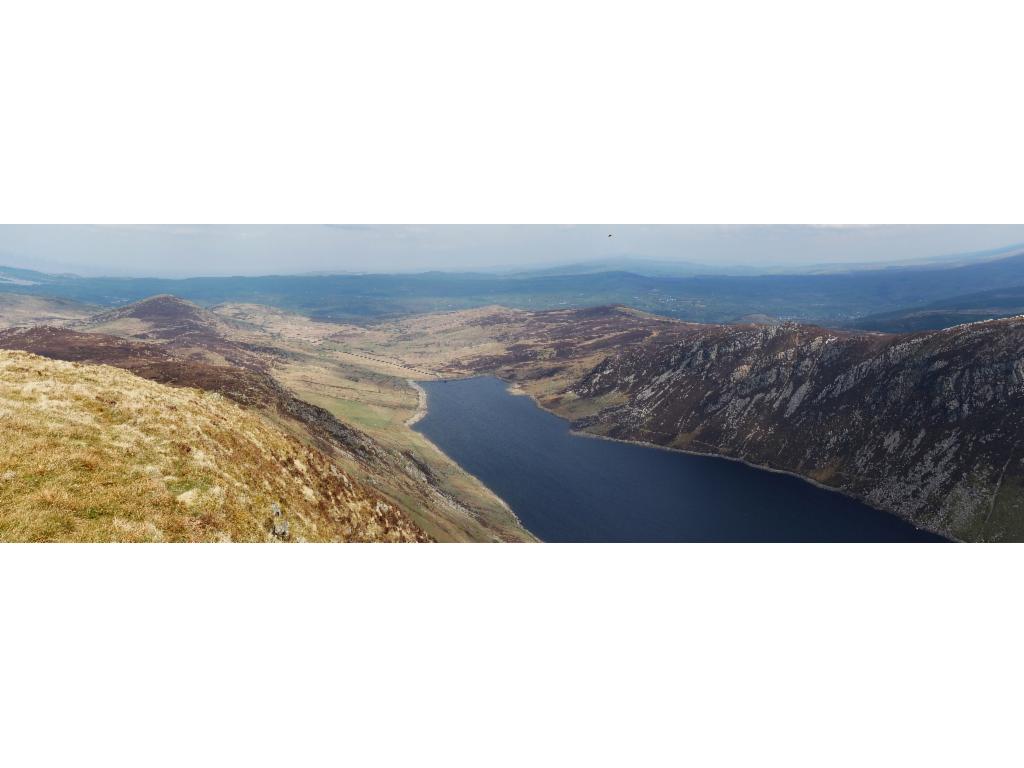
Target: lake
{"type": "Point", "coordinates": [570, 488]}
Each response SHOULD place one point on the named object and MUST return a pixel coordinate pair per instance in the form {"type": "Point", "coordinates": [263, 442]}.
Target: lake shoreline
{"type": "Point", "coordinates": [533, 467]}
{"type": "Point", "coordinates": [421, 406]}
{"type": "Point", "coordinates": [422, 409]}
{"type": "Point", "coordinates": [514, 388]}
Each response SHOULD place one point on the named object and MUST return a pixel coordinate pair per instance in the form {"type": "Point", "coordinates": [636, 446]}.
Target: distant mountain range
{"type": "Point", "coordinates": [675, 268]}
{"type": "Point", "coordinates": [968, 308]}
{"type": "Point", "coordinates": [891, 298]}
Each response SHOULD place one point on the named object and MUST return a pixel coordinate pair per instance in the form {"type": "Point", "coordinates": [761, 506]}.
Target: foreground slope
{"type": "Point", "coordinates": [94, 453]}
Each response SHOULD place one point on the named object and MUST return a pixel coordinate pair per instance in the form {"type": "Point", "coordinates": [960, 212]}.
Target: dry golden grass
{"type": "Point", "coordinates": [93, 453]}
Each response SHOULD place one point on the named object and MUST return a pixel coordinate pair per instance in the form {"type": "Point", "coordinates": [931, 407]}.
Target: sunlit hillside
{"type": "Point", "coordinates": [94, 453]}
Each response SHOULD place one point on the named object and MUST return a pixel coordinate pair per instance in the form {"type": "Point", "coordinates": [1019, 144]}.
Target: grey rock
{"type": "Point", "coordinates": [278, 524]}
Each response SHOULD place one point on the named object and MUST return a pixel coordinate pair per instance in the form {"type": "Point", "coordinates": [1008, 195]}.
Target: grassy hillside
{"type": "Point", "coordinates": [94, 453]}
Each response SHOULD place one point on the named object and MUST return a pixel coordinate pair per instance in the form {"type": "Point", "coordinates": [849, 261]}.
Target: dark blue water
{"type": "Point", "coordinates": [570, 488]}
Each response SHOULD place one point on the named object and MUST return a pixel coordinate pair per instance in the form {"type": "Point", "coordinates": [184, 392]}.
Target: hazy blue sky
{"type": "Point", "coordinates": [178, 250]}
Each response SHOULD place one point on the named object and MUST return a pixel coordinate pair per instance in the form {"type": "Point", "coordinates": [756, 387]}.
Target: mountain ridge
{"type": "Point", "coordinates": [831, 298]}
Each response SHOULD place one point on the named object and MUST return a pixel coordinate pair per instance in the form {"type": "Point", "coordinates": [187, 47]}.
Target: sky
{"type": "Point", "coordinates": [195, 250]}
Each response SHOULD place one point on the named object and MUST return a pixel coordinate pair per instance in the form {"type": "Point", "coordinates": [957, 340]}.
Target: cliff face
{"type": "Point", "coordinates": [926, 426]}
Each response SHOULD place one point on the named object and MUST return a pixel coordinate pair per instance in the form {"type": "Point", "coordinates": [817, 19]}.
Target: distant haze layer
{"type": "Point", "coordinates": [197, 250]}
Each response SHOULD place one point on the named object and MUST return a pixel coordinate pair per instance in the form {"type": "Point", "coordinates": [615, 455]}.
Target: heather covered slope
{"type": "Point", "coordinates": [186, 328]}
{"type": "Point", "coordinates": [94, 453]}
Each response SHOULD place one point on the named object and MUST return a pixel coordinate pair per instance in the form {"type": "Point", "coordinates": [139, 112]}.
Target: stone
{"type": "Point", "coordinates": [278, 525]}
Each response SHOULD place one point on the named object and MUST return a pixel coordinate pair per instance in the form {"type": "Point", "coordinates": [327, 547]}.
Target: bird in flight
{"type": "Point", "coordinates": [609, 235]}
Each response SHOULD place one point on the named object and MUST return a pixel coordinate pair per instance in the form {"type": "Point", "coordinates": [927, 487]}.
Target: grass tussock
{"type": "Point", "coordinates": [94, 453]}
